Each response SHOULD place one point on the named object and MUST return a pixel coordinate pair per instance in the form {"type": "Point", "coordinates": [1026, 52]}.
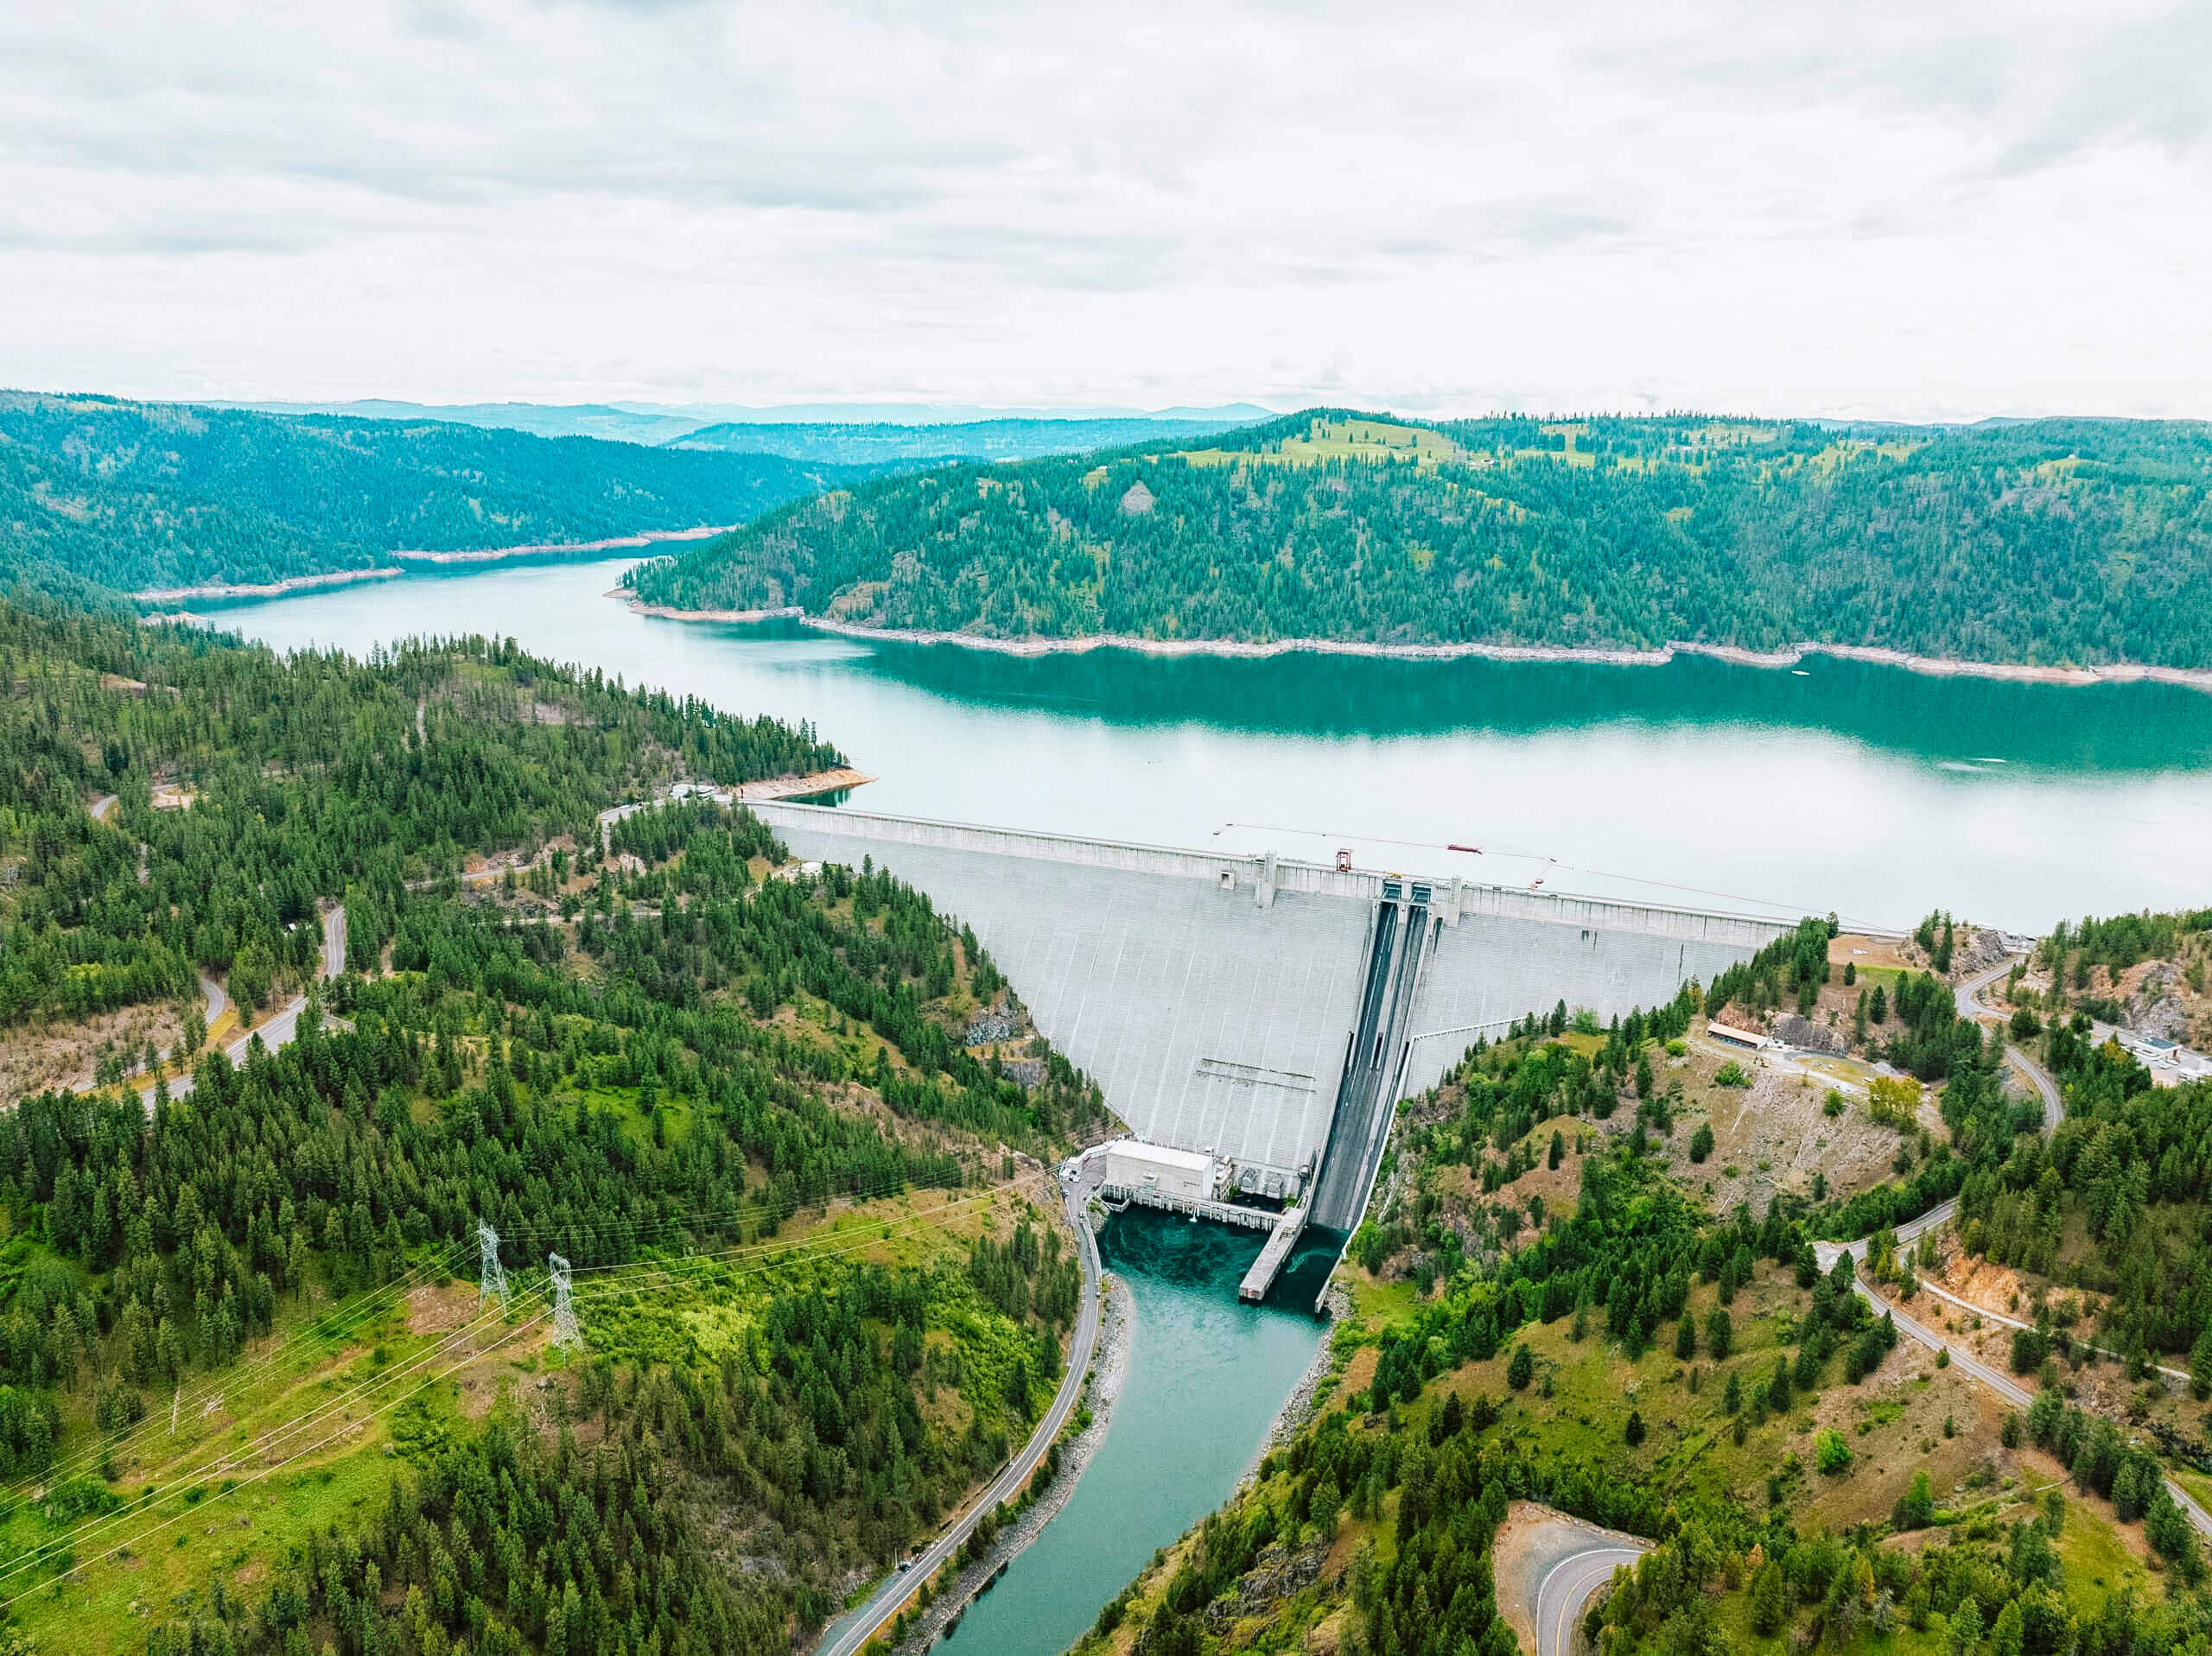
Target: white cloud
{"type": "Point", "coordinates": [1914, 210]}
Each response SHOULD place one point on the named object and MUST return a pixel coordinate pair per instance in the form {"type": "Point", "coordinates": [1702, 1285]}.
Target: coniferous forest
{"type": "Point", "coordinates": [249, 1399]}
{"type": "Point", "coordinates": [2054, 541]}
{"type": "Point", "coordinates": [138, 496]}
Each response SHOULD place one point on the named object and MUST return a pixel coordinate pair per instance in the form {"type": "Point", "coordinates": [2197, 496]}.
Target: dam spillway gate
{"type": "Point", "coordinates": [1265, 1013]}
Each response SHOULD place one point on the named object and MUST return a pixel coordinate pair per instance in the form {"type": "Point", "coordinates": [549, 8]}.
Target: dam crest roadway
{"type": "Point", "coordinates": [1257, 1019]}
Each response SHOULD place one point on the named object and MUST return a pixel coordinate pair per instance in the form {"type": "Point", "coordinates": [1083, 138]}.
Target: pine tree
{"type": "Point", "coordinates": [1770, 1600]}
{"type": "Point", "coordinates": [2005, 1637]}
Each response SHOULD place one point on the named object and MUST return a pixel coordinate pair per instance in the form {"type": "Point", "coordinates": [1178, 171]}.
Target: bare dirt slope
{"type": "Point", "coordinates": [1529, 1543]}
{"type": "Point", "coordinates": [66, 1052]}
{"type": "Point", "coordinates": [1775, 1135]}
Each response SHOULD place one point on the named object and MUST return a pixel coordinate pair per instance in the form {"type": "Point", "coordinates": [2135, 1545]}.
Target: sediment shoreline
{"type": "Point", "coordinates": [408, 556]}
{"type": "Point", "coordinates": [267, 589]}
{"type": "Point", "coordinates": [2192, 678]}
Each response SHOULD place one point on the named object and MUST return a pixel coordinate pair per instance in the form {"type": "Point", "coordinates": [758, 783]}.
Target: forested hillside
{"type": "Point", "coordinates": [139, 496]}
{"type": "Point", "coordinates": [1806, 1479]}
{"type": "Point", "coordinates": [249, 1399]}
{"type": "Point", "coordinates": [2041, 542]}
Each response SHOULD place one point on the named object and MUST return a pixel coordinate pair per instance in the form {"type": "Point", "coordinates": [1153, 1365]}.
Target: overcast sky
{"type": "Point", "coordinates": [1929, 209]}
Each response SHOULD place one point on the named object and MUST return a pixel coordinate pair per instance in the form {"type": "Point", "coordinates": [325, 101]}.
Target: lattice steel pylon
{"type": "Point", "coordinates": [565, 1331]}
{"type": "Point", "coordinates": [492, 1276]}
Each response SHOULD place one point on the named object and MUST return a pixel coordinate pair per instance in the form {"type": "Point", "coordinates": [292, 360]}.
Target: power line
{"type": "Point", "coordinates": [271, 1471]}
{"type": "Point", "coordinates": [178, 1481]}
{"type": "Point", "coordinates": [618, 1275]}
{"type": "Point", "coordinates": [342, 1319]}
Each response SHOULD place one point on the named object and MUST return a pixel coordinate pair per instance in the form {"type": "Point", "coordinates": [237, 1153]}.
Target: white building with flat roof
{"type": "Point", "coordinates": [1143, 1170]}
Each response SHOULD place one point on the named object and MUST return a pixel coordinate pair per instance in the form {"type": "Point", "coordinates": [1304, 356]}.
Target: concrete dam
{"type": "Point", "coordinates": [1262, 1017]}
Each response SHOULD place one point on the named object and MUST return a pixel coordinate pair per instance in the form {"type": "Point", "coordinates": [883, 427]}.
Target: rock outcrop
{"type": "Point", "coordinates": [1812, 1037]}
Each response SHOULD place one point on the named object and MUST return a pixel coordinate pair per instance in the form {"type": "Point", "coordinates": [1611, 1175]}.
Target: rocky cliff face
{"type": "Point", "coordinates": [1814, 1037]}
{"type": "Point", "coordinates": [2157, 1006]}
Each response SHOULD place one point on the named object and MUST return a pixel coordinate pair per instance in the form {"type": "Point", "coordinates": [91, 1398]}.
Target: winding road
{"type": "Point", "coordinates": [279, 1030]}
{"type": "Point", "coordinates": [1566, 1587]}
{"type": "Point", "coordinates": [847, 1635]}
{"type": "Point", "coordinates": [1568, 1584]}
{"type": "Point", "coordinates": [1970, 1005]}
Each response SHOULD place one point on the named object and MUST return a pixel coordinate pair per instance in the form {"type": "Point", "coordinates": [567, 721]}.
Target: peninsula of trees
{"type": "Point", "coordinates": [2054, 542]}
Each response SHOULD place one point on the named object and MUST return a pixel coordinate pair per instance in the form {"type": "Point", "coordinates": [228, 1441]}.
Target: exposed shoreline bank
{"type": "Point", "coordinates": [1110, 1372]}
{"type": "Point", "coordinates": [407, 560]}
{"type": "Point", "coordinates": [1298, 1409]}
{"type": "Point", "coordinates": [1933, 666]}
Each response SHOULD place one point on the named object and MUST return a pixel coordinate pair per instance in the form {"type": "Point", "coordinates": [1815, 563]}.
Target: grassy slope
{"type": "Point", "coordinates": [1910, 1415]}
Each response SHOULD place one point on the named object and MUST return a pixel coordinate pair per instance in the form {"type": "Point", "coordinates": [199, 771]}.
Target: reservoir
{"type": "Point", "coordinates": [1874, 792]}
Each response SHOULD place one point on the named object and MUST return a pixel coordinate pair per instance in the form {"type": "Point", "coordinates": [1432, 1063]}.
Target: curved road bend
{"type": "Point", "coordinates": [284, 1026]}
{"type": "Point", "coordinates": [883, 1604]}
{"type": "Point", "coordinates": [1970, 1005]}
{"type": "Point", "coordinates": [1566, 1587]}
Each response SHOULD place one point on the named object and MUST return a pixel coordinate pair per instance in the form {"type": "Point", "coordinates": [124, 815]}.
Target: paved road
{"type": "Point", "coordinates": [334, 941]}
{"type": "Point", "coordinates": [1987, 1314]}
{"type": "Point", "coordinates": [1566, 1588]}
{"type": "Point", "coordinates": [279, 1030]}
{"type": "Point", "coordinates": [883, 1604]}
{"type": "Point", "coordinates": [1970, 1005]}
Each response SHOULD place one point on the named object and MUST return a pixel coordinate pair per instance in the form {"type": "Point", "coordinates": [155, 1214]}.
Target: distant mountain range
{"type": "Point", "coordinates": [137, 495]}
{"type": "Point", "coordinates": [907, 445]}
{"type": "Point", "coordinates": [2035, 542]}
{"type": "Point", "coordinates": [658, 423]}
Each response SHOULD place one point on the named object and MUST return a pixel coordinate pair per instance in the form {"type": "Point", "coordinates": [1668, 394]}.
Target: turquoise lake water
{"type": "Point", "coordinates": [1876, 793]}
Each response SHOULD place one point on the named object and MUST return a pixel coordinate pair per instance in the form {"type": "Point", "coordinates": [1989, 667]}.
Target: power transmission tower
{"type": "Point", "coordinates": [565, 1331]}
{"type": "Point", "coordinates": [491, 1278]}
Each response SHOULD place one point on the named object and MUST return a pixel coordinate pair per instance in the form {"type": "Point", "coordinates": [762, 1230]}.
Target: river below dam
{"type": "Point", "coordinates": [1207, 1374]}
{"type": "Point", "coordinates": [1867, 790]}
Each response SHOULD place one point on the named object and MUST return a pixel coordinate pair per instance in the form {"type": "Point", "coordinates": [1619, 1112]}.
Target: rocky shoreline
{"type": "Point", "coordinates": [1298, 1408]}
{"type": "Point", "coordinates": [1110, 1370]}
{"type": "Point", "coordinates": [1789, 655]}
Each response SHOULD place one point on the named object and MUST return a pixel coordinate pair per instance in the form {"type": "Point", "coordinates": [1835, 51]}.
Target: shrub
{"type": "Point", "coordinates": [1730, 1074]}
{"type": "Point", "coordinates": [1830, 1453]}
{"type": "Point", "coordinates": [1915, 1509]}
